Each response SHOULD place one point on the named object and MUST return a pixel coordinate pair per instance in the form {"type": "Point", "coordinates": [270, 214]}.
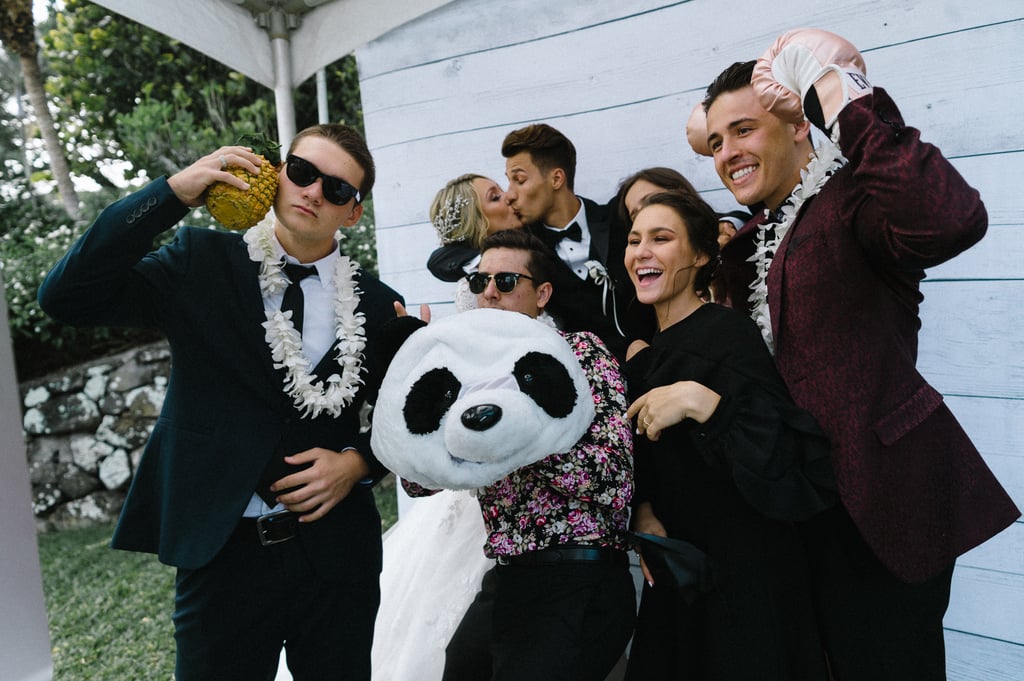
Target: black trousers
{"type": "Point", "coordinates": [874, 626]}
{"type": "Point", "coordinates": [233, 616]}
{"type": "Point", "coordinates": [549, 622]}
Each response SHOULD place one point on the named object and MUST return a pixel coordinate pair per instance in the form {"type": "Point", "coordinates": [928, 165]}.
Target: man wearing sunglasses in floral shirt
{"type": "Point", "coordinates": [256, 480]}
{"type": "Point", "coordinates": [559, 604]}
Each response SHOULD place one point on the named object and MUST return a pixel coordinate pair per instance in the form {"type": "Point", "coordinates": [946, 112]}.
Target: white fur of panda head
{"type": "Point", "coordinates": [474, 396]}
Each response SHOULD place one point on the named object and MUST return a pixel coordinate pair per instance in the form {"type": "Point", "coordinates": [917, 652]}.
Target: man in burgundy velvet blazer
{"type": "Point", "coordinates": [842, 294]}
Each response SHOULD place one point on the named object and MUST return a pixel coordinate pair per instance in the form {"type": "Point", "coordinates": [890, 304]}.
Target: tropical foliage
{"type": "Point", "coordinates": [128, 104]}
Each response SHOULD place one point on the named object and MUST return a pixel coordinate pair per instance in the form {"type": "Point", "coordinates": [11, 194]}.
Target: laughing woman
{"type": "Point", "coordinates": [728, 464]}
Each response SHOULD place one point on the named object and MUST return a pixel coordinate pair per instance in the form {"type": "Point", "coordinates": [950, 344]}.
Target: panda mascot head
{"type": "Point", "coordinates": [472, 397]}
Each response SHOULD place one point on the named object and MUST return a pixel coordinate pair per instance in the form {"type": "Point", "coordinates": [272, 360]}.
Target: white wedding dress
{"type": "Point", "coordinates": [433, 564]}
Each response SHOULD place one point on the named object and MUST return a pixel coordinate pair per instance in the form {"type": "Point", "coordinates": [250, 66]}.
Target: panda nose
{"type": "Point", "coordinates": [481, 416]}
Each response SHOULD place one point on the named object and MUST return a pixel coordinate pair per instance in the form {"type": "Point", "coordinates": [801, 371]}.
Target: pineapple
{"type": "Point", "coordinates": [237, 209]}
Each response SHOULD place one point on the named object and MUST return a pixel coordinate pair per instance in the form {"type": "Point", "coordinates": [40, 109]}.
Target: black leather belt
{"type": "Point", "coordinates": [269, 529]}
{"type": "Point", "coordinates": [567, 554]}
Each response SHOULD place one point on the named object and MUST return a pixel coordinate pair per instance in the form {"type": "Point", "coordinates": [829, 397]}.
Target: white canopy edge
{"type": "Point", "coordinates": [337, 28]}
{"type": "Point", "coordinates": [228, 33]}
{"type": "Point", "coordinates": [220, 29]}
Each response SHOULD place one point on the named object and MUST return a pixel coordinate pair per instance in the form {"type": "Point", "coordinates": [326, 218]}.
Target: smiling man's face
{"type": "Point", "coordinates": [757, 155]}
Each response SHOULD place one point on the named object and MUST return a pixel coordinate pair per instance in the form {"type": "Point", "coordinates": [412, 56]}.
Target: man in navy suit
{"type": "Point", "coordinates": [256, 480]}
{"type": "Point", "coordinates": [848, 231]}
{"type": "Point", "coordinates": [593, 292]}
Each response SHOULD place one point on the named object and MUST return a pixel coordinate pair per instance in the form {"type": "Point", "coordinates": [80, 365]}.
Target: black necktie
{"type": "Point", "coordinates": [573, 232]}
{"type": "Point", "coordinates": [293, 298]}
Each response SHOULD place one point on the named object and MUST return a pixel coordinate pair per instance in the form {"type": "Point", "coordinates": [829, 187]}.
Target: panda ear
{"type": "Point", "coordinates": [392, 334]}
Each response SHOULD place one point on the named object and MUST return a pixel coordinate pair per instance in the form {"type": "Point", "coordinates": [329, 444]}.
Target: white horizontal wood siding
{"type": "Point", "coordinates": [620, 77]}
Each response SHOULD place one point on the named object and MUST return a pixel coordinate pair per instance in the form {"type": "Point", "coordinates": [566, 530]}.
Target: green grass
{"type": "Point", "coordinates": [110, 611]}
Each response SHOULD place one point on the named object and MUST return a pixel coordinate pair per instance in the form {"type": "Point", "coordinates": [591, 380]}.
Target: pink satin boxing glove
{"type": "Point", "coordinates": [811, 69]}
{"type": "Point", "coordinates": [697, 130]}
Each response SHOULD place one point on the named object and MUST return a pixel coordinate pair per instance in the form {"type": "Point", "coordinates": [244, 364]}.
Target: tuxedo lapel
{"type": "Point", "coordinates": [600, 231]}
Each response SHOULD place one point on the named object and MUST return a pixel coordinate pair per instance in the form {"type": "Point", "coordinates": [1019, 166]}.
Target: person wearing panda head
{"type": "Point", "coordinates": [848, 230]}
{"type": "Point", "coordinates": [560, 602]}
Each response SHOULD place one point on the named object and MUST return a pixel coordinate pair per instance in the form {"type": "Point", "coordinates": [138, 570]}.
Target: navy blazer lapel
{"type": "Point", "coordinates": [328, 365]}
{"type": "Point", "coordinates": [245, 273]}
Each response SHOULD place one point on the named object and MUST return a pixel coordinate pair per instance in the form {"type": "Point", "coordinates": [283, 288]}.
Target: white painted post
{"type": "Point", "coordinates": [24, 634]}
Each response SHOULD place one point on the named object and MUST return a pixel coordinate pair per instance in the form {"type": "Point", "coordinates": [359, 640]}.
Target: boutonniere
{"type": "Point", "coordinates": [597, 272]}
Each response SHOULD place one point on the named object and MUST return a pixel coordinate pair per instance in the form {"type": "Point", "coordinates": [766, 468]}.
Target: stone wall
{"type": "Point", "coordinates": [84, 432]}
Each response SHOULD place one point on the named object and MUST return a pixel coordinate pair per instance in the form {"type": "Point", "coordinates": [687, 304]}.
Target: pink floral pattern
{"type": "Point", "coordinates": [580, 497]}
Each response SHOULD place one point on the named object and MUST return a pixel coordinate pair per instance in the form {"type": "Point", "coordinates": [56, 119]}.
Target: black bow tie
{"type": "Point", "coordinates": [572, 232]}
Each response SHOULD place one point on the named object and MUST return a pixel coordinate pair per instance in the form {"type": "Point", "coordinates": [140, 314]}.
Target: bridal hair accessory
{"type": "Point", "coordinates": [449, 218]}
{"type": "Point", "coordinates": [310, 396]}
{"type": "Point", "coordinates": [825, 161]}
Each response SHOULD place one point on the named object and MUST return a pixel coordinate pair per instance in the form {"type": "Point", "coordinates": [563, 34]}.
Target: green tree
{"type": "Point", "coordinates": [17, 33]}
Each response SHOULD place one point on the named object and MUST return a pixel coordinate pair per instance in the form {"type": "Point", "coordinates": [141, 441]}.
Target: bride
{"type": "Point", "coordinates": [433, 557]}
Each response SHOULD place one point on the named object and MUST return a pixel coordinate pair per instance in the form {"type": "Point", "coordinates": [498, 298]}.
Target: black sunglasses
{"type": "Point", "coordinates": [303, 173]}
{"type": "Point", "coordinates": [505, 281]}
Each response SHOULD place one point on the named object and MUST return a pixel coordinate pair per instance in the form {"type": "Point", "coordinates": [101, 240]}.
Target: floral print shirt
{"type": "Point", "coordinates": [580, 497]}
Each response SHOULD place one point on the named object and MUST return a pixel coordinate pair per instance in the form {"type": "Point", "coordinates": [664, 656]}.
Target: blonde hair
{"type": "Point", "coordinates": [456, 212]}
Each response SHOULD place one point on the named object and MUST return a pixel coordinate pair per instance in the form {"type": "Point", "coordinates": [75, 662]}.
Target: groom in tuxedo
{"type": "Point", "coordinates": [592, 290]}
{"type": "Point", "coordinates": [255, 482]}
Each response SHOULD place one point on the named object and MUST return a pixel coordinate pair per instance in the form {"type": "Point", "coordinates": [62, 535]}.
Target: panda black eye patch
{"type": "Point", "coordinates": [547, 382]}
{"type": "Point", "coordinates": [429, 399]}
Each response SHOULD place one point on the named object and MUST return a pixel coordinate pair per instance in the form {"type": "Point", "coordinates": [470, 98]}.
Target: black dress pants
{"type": "Point", "coordinates": [547, 622]}
{"type": "Point", "coordinates": [233, 616]}
{"type": "Point", "coordinates": [874, 626]}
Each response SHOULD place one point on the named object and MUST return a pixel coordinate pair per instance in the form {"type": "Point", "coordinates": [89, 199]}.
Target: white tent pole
{"type": "Point", "coordinates": [277, 26]}
{"type": "Point", "coordinates": [323, 115]}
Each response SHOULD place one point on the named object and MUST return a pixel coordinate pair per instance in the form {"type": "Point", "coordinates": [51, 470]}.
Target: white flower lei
{"type": "Point", "coordinates": [825, 161]}
{"type": "Point", "coordinates": [310, 396]}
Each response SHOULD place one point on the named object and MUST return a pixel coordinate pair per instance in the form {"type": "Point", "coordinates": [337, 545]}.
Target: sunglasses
{"type": "Point", "coordinates": [505, 281]}
{"type": "Point", "coordinates": [303, 173]}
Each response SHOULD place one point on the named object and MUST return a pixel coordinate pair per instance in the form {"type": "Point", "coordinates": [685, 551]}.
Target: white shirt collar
{"type": "Point", "coordinates": [580, 218]}
{"type": "Point", "coordinates": [324, 266]}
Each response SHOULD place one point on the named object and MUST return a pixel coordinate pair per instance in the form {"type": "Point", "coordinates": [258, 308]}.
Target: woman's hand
{"type": "Point", "coordinates": [668, 405]}
{"type": "Point", "coordinates": [645, 522]}
{"type": "Point", "coordinates": [424, 311]}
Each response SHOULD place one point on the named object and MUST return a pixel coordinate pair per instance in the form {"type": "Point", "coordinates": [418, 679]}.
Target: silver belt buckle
{"type": "Point", "coordinates": [269, 526]}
